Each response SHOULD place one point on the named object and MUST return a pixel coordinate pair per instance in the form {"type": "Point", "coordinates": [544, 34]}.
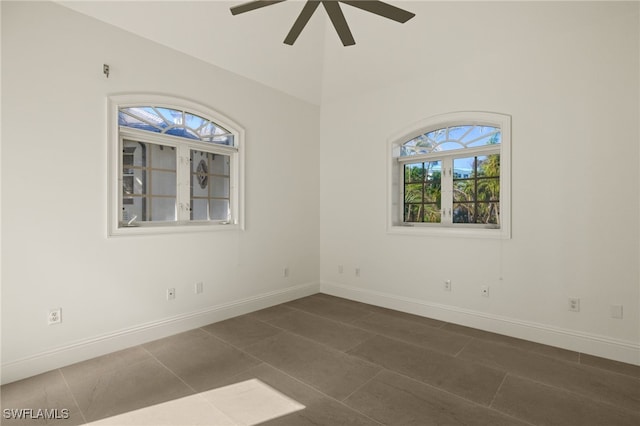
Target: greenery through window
{"type": "Point", "coordinates": [452, 174]}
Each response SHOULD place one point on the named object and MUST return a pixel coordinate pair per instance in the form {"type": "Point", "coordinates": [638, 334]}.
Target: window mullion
{"type": "Point", "coordinates": [183, 176]}
{"type": "Point", "coordinates": [446, 201]}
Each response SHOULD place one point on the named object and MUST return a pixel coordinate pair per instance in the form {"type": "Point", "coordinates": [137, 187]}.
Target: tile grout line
{"type": "Point", "coordinates": [356, 390]}
{"type": "Point", "coordinates": [467, 400]}
{"type": "Point", "coordinates": [495, 395]}
{"type": "Point", "coordinates": [443, 327]}
{"type": "Point", "coordinates": [440, 327]}
{"type": "Point", "coordinates": [350, 355]}
{"type": "Point", "coordinates": [75, 401]}
{"type": "Point", "coordinates": [303, 383]}
{"type": "Point", "coordinates": [109, 370]}
{"type": "Point", "coordinates": [364, 384]}
{"type": "Point", "coordinates": [344, 351]}
{"type": "Point", "coordinates": [169, 370]}
{"type": "Point", "coordinates": [572, 392]}
{"type": "Point", "coordinates": [467, 343]}
{"type": "Point", "coordinates": [309, 385]}
{"type": "Point", "coordinates": [196, 392]}
{"type": "Point", "coordinates": [308, 339]}
{"type": "Point", "coordinates": [348, 323]}
{"type": "Point", "coordinates": [555, 386]}
{"type": "Point", "coordinates": [221, 340]}
{"type": "Point", "coordinates": [377, 365]}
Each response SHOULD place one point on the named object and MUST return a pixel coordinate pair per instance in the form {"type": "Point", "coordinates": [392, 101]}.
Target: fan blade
{"type": "Point", "coordinates": [252, 5]}
{"type": "Point", "coordinates": [307, 11]}
{"type": "Point", "coordinates": [339, 22]}
{"type": "Point", "coordinates": [383, 9]}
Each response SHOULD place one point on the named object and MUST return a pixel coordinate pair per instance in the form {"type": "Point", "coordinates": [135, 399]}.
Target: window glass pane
{"type": "Point", "coordinates": [489, 189]}
{"type": "Point", "coordinates": [485, 140]}
{"type": "Point", "coordinates": [426, 213]}
{"type": "Point", "coordinates": [448, 146]}
{"type": "Point", "coordinates": [431, 213]}
{"type": "Point", "coordinates": [134, 153]}
{"type": "Point", "coordinates": [210, 186]}
{"type": "Point", "coordinates": [489, 165]}
{"type": "Point", "coordinates": [451, 138]}
{"type": "Point", "coordinates": [220, 140]}
{"type": "Point", "coordinates": [162, 183]}
{"type": "Point", "coordinates": [438, 135]}
{"type": "Point", "coordinates": [478, 132]}
{"type": "Point", "coordinates": [420, 145]}
{"type": "Point", "coordinates": [413, 193]}
{"type": "Point", "coordinates": [464, 189]}
{"type": "Point", "coordinates": [481, 213]}
{"type": "Point", "coordinates": [422, 191]}
{"type": "Point", "coordinates": [172, 116]}
{"type": "Point", "coordinates": [413, 173]}
{"type": "Point", "coordinates": [175, 123]}
{"type": "Point", "coordinates": [476, 189]}
{"type": "Point", "coordinates": [220, 164]}
{"type": "Point", "coordinates": [463, 212]}
{"type": "Point", "coordinates": [144, 115]}
{"type": "Point", "coordinates": [133, 209]}
{"type": "Point", "coordinates": [194, 121]}
{"type": "Point", "coordinates": [135, 182]}
{"type": "Point", "coordinates": [219, 210]}
{"type": "Point", "coordinates": [413, 213]}
{"type": "Point", "coordinates": [182, 132]}
{"type": "Point", "coordinates": [457, 132]}
{"type": "Point", "coordinates": [200, 209]}
{"type": "Point", "coordinates": [148, 182]}
{"type": "Point", "coordinates": [200, 173]}
{"type": "Point", "coordinates": [220, 187]}
{"type": "Point", "coordinates": [464, 167]}
{"type": "Point", "coordinates": [163, 208]}
{"type": "Point", "coordinates": [163, 157]}
{"type": "Point", "coordinates": [129, 121]}
{"type": "Point", "coordinates": [208, 130]}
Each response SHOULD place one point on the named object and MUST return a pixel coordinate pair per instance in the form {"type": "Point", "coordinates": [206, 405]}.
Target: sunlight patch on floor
{"type": "Point", "coordinates": [246, 403]}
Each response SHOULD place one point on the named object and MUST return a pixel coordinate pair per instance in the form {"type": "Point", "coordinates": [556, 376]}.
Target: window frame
{"type": "Point", "coordinates": [395, 175]}
{"type": "Point", "coordinates": [116, 135]}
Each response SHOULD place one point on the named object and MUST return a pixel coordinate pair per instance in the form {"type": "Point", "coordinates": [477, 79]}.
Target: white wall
{"type": "Point", "coordinates": [568, 74]}
{"type": "Point", "coordinates": [55, 249]}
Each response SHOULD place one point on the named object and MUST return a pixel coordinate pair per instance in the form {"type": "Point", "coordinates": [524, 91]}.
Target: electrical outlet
{"type": "Point", "coordinates": [285, 272]}
{"type": "Point", "coordinates": [447, 285]}
{"type": "Point", "coordinates": [171, 293]}
{"type": "Point", "coordinates": [199, 287]}
{"type": "Point", "coordinates": [357, 272]}
{"type": "Point", "coordinates": [55, 316]}
{"type": "Point", "coordinates": [616, 311]}
{"type": "Point", "coordinates": [574, 304]}
{"type": "Point", "coordinates": [484, 290]}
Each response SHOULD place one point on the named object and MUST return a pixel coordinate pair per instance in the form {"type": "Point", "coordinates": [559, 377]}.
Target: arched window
{"type": "Point", "coordinates": [452, 172]}
{"type": "Point", "coordinates": [175, 165]}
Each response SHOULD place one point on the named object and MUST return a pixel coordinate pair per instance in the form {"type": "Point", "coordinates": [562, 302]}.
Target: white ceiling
{"type": "Point", "coordinates": [250, 44]}
{"type": "Point", "coordinates": [318, 68]}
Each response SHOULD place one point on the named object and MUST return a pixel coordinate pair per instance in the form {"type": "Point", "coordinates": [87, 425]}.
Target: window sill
{"type": "Point", "coordinates": [449, 231]}
{"type": "Point", "coordinates": [172, 228]}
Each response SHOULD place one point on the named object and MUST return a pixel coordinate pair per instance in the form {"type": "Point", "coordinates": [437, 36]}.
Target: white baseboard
{"type": "Point", "coordinates": [126, 338]}
{"type": "Point", "coordinates": [602, 346]}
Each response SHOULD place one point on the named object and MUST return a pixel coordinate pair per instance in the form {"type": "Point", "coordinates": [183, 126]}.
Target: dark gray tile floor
{"type": "Point", "coordinates": [350, 364]}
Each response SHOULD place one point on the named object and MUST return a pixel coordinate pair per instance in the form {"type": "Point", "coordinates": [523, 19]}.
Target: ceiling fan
{"type": "Point", "coordinates": [335, 14]}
